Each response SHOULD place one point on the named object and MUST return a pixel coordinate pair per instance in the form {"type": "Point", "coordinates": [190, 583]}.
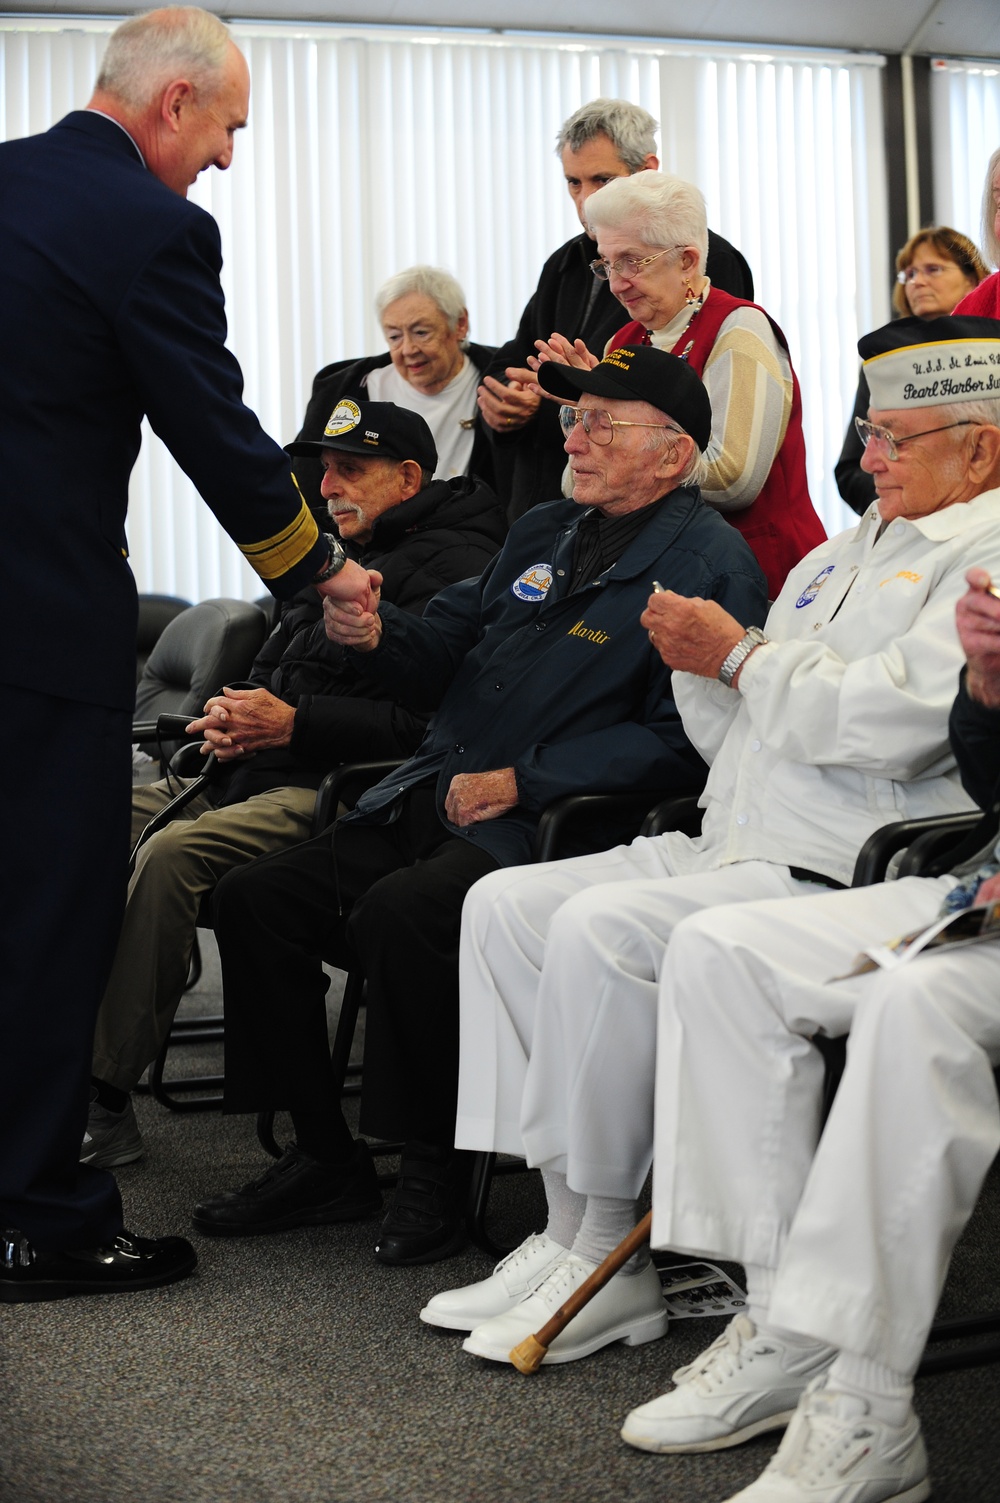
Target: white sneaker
{"type": "Point", "coordinates": [836, 1451]}
{"type": "Point", "coordinates": [629, 1308]}
{"type": "Point", "coordinates": [513, 1277]}
{"type": "Point", "coordinates": [744, 1383]}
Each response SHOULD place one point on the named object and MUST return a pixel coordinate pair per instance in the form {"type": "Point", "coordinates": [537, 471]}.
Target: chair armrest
{"type": "Point", "coordinates": [580, 823]}
{"type": "Point", "coordinates": [345, 785]}
{"type": "Point", "coordinates": [935, 842]}
{"type": "Point", "coordinates": [681, 814]}
{"type": "Point", "coordinates": [877, 851]}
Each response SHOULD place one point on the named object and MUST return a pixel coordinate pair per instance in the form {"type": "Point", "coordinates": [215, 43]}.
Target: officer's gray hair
{"type": "Point", "coordinates": [433, 282]}
{"type": "Point", "coordinates": [630, 129]}
{"type": "Point", "coordinates": [991, 244]}
{"type": "Point", "coordinates": [150, 51]}
{"type": "Point", "coordinates": [654, 209]}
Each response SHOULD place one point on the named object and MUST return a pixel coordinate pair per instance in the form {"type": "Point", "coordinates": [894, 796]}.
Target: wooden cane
{"type": "Point", "coordinates": [527, 1355]}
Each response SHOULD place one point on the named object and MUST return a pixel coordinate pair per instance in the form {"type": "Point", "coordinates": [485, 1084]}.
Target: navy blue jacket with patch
{"type": "Point", "coordinates": [565, 688]}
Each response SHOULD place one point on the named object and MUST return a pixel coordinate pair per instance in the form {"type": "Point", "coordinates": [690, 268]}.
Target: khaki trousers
{"type": "Point", "coordinates": [174, 871]}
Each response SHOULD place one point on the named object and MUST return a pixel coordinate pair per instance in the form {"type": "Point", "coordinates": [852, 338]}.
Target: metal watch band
{"type": "Point", "coordinates": [337, 560]}
{"type": "Point", "coordinates": [739, 654]}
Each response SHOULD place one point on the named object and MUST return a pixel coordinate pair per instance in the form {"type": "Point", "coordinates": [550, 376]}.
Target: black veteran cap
{"type": "Point", "coordinates": [639, 373]}
{"type": "Point", "coordinates": [381, 428]}
{"type": "Point", "coordinates": [915, 363]}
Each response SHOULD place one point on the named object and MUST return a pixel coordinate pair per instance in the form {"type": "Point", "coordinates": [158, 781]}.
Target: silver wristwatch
{"type": "Point", "coordinates": [744, 647]}
{"type": "Point", "coordinates": [336, 561]}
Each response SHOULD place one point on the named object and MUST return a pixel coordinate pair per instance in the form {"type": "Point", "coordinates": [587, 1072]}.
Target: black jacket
{"type": "Point", "coordinates": [560, 684]}
{"type": "Point", "coordinates": [448, 532]}
{"type": "Point", "coordinates": [855, 485]}
{"type": "Point", "coordinates": [570, 300]}
{"type": "Point", "coordinates": [349, 378]}
{"type": "Point", "coordinates": [111, 308]}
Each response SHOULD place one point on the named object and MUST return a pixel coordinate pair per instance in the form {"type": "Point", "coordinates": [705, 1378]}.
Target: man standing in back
{"type": "Point", "coordinates": [602, 140]}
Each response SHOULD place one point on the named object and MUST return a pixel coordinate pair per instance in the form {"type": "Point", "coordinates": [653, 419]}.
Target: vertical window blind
{"type": "Point", "coordinates": [369, 150]}
{"type": "Point", "coordinates": [965, 132]}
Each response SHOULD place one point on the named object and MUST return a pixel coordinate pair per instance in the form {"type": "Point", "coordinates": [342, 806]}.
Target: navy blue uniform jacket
{"type": "Point", "coordinates": [111, 307]}
{"type": "Point", "coordinates": [565, 688]}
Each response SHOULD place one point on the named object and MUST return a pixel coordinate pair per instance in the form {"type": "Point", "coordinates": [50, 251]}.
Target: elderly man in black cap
{"type": "Point", "coordinates": [302, 712]}
{"type": "Point", "coordinates": [548, 685]}
{"type": "Point", "coordinates": [828, 724]}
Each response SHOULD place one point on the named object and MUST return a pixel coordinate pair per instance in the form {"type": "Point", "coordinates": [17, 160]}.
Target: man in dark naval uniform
{"type": "Point", "coordinates": [110, 309]}
{"type": "Point", "coordinates": [604, 139]}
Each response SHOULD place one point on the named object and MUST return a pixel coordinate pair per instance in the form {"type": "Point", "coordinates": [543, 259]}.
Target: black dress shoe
{"type": "Point", "coordinates": [295, 1191]}
{"type": "Point", "coordinates": [425, 1221]}
{"type": "Point", "coordinates": [126, 1264]}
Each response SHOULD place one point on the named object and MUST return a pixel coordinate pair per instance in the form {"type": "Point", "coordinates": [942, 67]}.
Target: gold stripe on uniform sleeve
{"type": "Point", "coordinates": [274, 556]}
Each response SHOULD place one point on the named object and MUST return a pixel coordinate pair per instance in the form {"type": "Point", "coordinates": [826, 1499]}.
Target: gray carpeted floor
{"type": "Point", "coordinates": [295, 1368]}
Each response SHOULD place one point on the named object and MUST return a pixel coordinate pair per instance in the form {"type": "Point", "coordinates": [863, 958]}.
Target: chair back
{"type": "Point", "coordinates": [155, 613]}
{"type": "Point", "coordinates": [199, 651]}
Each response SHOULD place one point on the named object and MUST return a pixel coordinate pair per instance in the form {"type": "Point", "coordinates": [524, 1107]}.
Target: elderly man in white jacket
{"type": "Point", "coordinates": [829, 724]}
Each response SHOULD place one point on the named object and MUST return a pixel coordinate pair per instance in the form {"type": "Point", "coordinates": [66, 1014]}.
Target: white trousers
{"type": "Point", "coordinates": [559, 968]}
{"type": "Point", "coordinates": [860, 1228]}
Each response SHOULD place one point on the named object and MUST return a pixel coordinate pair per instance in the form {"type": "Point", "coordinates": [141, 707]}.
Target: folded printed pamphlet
{"type": "Point", "coordinates": [977, 925]}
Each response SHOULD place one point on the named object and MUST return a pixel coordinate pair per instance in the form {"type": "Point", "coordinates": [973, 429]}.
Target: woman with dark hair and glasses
{"type": "Point", "coordinates": [652, 238]}
{"type": "Point", "coordinates": [934, 271]}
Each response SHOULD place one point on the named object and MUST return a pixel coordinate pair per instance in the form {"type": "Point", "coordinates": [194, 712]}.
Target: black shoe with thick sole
{"type": "Point", "coordinates": [425, 1221]}
{"type": "Point", "coordinates": [127, 1264]}
{"type": "Point", "coordinates": [297, 1190]}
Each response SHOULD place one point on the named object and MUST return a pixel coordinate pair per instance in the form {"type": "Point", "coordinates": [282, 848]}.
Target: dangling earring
{"type": "Point", "coordinates": [690, 296]}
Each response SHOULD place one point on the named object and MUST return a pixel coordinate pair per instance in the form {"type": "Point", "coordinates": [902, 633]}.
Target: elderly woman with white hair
{"type": "Point", "coordinates": [430, 367]}
{"type": "Point", "coordinates": [984, 301]}
{"type": "Point", "coordinates": [652, 238]}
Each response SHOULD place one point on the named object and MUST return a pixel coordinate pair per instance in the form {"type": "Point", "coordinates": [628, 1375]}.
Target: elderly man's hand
{"type": "Point", "coordinates": [351, 583]}
{"type": "Point", "coordinates": [352, 623]}
{"type": "Point", "coordinates": [559, 349]}
{"type": "Point", "coordinates": [690, 634]}
{"type": "Point", "coordinates": [511, 406]}
{"type": "Point", "coordinates": [475, 796]}
{"type": "Point", "coordinates": [239, 722]}
{"type": "Point", "coordinates": [988, 891]}
{"type": "Point", "coordinates": [977, 617]}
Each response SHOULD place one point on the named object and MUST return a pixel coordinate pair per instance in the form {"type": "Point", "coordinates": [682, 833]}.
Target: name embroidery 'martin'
{"type": "Point", "coordinates": [588, 633]}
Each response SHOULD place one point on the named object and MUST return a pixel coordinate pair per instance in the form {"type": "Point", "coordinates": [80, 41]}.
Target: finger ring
{"type": "Point", "coordinates": [652, 637]}
{"type": "Point", "coordinates": [510, 420]}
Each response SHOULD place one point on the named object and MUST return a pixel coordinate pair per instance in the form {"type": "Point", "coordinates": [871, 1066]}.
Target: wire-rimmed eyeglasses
{"type": "Point", "coordinates": [932, 269]}
{"type": "Point", "coordinates": [627, 266]}
{"type": "Point", "coordinates": [599, 425]}
{"type": "Point", "coordinates": [874, 433]}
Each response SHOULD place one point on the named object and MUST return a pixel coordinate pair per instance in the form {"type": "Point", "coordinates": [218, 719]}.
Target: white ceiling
{"type": "Point", "coordinates": [958, 28]}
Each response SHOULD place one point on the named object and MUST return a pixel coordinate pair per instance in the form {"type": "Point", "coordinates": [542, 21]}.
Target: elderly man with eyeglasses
{"type": "Point", "coordinates": [546, 684]}
{"type": "Point", "coordinates": [829, 723]}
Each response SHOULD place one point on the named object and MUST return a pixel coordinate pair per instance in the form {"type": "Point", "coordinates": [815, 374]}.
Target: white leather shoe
{"type": "Point", "coordinates": [513, 1277]}
{"type": "Point", "coordinates": [746, 1382]}
{"type": "Point", "coordinates": [629, 1308]}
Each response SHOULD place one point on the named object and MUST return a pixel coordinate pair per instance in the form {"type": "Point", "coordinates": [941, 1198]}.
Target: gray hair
{"type": "Point", "coordinates": [991, 245]}
{"type": "Point", "coordinates": [696, 469]}
{"type": "Point", "coordinates": [630, 129]}
{"type": "Point", "coordinates": [657, 210]}
{"type": "Point", "coordinates": [148, 52]}
{"type": "Point", "coordinates": [984, 410]}
{"type": "Point", "coordinates": [440, 286]}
